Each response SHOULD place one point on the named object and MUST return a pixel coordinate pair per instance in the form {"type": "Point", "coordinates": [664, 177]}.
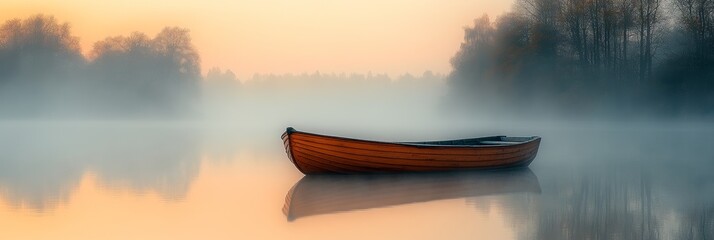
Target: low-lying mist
{"type": "Point", "coordinates": [511, 72]}
{"type": "Point", "coordinates": [324, 100]}
{"type": "Point", "coordinates": [626, 131]}
{"type": "Point", "coordinates": [44, 76]}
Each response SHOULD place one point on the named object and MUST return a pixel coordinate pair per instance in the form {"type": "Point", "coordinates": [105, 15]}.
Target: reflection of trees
{"type": "Point", "coordinates": [697, 223]}
{"type": "Point", "coordinates": [692, 196]}
{"type": "Point", "coordinates": [43, 165]}
{"type": "Point", "coordinates": [657, 186]}
{"type": "Point", "coordinates": [37, 178]}
{"type": "Point", "coordinates": [611, 207]}
{"type": "Point", "coordinates": [164, 160]}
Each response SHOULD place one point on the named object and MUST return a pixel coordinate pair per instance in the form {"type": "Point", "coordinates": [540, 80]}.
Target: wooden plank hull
{"type": "Point", "coordinates": [315, 154]}
{"type": "Point", "coordinates": [326, 194]}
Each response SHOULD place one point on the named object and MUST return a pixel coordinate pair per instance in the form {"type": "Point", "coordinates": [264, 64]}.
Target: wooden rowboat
{"type": "Point", "coordinates": [313, 153]}
{"type": "Point", "coordinates": [327, 194]}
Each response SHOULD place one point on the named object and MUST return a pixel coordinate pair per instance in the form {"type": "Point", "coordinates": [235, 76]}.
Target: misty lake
{"type": "Point", "coordinates": [113, 180]}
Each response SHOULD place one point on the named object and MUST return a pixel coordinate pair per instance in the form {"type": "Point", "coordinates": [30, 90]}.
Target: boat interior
{"type": "Point", "coordinates": [493, 140]}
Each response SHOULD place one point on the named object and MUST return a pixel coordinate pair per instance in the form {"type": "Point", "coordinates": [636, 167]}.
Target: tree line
{"type": "Point", "coordinates": [591, 56]}
{"type": "Point", "coordinates": [44, 73]}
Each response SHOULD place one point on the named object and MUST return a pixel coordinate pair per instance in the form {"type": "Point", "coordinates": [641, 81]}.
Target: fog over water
{"type": "Point", "coordinates": [606, 178]}
{"type": "Point", "coordinates": [637, 180]}
{"type": "Point", "coordinates": [134, 141]}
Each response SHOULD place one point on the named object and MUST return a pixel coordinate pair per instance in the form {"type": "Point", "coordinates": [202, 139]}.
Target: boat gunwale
{"type": "Point", "coordinates": [291, 130]}
{"type": "Point", "coordinates": [319, 146]}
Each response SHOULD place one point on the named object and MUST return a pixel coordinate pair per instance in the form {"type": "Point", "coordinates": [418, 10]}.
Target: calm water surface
{"type": "Point", "coordinates": [158, 181]}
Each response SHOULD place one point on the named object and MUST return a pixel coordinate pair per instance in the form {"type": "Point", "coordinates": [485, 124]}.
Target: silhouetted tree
{"type": "Point", "coordinates": [220, 89]}
{"type": "Point", "coordinates": [687, 76]}
{"type": "Point", "coordinates": [474, 61]}
{"type": "Point", "coordinates": [38, 57]}
{"type": "Point", "coordinates": [141, 75]}
{"type": "Point", "coordinates": [649, 16]}
{"type": "Point", "coordinates": [618, 56]}
{"type": "Point", "coordinates": [697, 22]}
{"type": "Point", "coordinates": [216, 76]}
{"type": "Point", "coordinates": [42, 72]}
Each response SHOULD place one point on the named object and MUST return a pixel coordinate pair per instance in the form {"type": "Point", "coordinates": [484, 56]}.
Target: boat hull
{"type": "Point", "coordinates": [315, 154]}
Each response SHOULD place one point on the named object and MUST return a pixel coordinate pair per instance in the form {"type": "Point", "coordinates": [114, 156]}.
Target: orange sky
{"type": "Point", "coordinates": [285, 36]}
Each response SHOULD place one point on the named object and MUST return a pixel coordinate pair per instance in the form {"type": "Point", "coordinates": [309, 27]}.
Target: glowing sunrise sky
{"type": "Point", "coordinates": [290, 36]}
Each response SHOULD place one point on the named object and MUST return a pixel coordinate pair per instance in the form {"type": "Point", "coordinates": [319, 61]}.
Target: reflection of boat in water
{"type": "Point", "coordinates": [314, 153]}
{"type": "Point", "coordinates": [324, 194]}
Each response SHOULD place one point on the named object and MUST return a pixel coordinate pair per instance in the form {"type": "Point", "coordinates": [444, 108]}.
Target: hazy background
{"type": "Point", "coordinates": [282, 37]}
{"type": "Point", "coordinates": [344, 62]}
{"type": "Point", "coordinates": [164, 117]}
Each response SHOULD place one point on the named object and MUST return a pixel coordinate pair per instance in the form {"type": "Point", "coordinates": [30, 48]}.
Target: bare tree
{"type": "Point", "coordinates": [697, 20]}
{"type": "Point", "coordinates": [649, 17]}
{"type": "Point", "coordinates": [575, 22]}
{"type": "Point", "coordinates": [626, 21]}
